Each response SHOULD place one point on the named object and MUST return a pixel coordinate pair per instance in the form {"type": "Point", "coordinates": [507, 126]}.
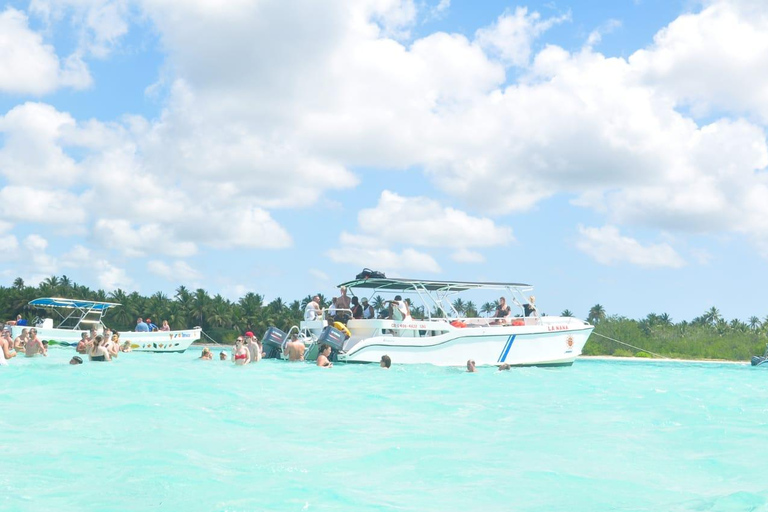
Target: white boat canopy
{"type": "Point", "coordinates": [77, 312]}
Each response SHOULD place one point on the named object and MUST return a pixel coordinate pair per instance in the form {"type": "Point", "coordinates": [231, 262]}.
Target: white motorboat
{"type": "Point", "coordinates": [77, 316]}
{"type": "Point", "coordinates": [451, 339]}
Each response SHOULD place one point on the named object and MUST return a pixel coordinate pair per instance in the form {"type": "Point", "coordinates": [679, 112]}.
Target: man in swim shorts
{"type": "Point", "coordinates": [294, 349]}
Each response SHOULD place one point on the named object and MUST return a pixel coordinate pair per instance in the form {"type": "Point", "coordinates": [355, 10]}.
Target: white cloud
{"type": "Point", "coordinates": [511, 36]}
{"type": "Point", "coordinates": [391, 262]}
{"type": "Point", "coordinates": [467, 256]}
{"type": "Point", "coordinates": [112, 277]}
{"type": "Point", "coordinates": [178, 271]}
{"type": "Point", "coordinates": [424, 222]}
{"type": "Point", "coordinates": [607, 246]}
{"type": "Point", "coordinates": [29, 66]}
{"type": "Point", "coordinates": [714, 59]}
{"type": "Point", "coordinates": [119, 234]}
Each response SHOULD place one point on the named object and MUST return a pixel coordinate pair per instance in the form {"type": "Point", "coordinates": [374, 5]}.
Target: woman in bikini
{"type": "Point", "coordinates": [322, 358]}
{"type": "Point", "coordinates": [241, 354]}
{"type": "Point", "coordinates": [97, 351]}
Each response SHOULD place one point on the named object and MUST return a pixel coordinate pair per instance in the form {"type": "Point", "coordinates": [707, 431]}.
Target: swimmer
{"type": "Point", "coordinates": [34, 345]}
{"type": "Point", "coordinates": [322, 358]}
{"type": "Point", "coordinates": [505, 366]}
{"type": "Point", "coordinates": [21, 340]}
{"type": "Point", "coordinates": [98, 352]}
{"type": "Point", "coordinates": [253, 347]}
{"type": "Point", "coordinates": [386, 362]}
{"type": "Point", "coordinates": [207, 355]}
{"type": "Point", "coordinates": [6, 352]}
{"type": "Point", "coordinates": [76, 360]}
{"type": "Point", "coordinates": [294, 349]}
{"type": "Point", "coordinates": [126, 346]}
{"type": "Point", "coordinates": [82, 345]}
{"type": "Point", "coordinates": [471, 366]}
{"type": "Point", "coordinates": [222, 356]}
{"type": "Point", "coordinates": [241, 355]}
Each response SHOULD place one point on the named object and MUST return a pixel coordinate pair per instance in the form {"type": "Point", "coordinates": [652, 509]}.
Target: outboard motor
{"type": "Point", "coordinates": [757, 360]}
{"type": "Point", "coordinates": [333, 338]}
{"type": "Point", "coordinates": [273, 341]}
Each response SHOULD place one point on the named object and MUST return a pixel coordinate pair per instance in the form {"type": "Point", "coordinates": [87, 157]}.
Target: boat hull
{"type": "Point", "coordinates": [158, 341]}
{"type": "Point", "coordinates": [533, 342]}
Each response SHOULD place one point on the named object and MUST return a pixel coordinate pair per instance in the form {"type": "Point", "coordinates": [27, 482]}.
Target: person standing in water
{"type": "Point", "coordinates": [322, 358]}
{"type": "Point", "coordinates": [6, 352]}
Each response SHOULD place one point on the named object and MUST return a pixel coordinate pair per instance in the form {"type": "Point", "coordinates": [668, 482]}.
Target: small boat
{"type": "Point", "coordinates": [761, 360]}
{"type": "Point", "coordinates": [449, 339]}
{"type": "Point", "coordinates": [76, 316]}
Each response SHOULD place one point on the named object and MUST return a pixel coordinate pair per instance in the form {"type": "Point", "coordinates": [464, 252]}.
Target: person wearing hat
{"type": "Point", "coordinates": [368, 311]}
{"type": "Point", "coordinates": [253, 347]}
{"type": "Point", "coordinates": [76, 360]}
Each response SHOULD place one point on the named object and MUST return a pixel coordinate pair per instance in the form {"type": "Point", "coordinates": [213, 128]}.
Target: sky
{"type": "Point", "coordinates": [604, 152]}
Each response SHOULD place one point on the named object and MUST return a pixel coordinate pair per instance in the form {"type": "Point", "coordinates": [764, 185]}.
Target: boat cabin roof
{"type": "Point", "coordinates": [53, 302]}
{"type": "Point", "coordinates": [400, 284]}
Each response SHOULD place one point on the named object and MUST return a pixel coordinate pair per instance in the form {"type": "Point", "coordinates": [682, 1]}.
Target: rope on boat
{"type": "Point", "coordinates": [628, 345]}
{"type": "Point", "coordinates": [213, 340]}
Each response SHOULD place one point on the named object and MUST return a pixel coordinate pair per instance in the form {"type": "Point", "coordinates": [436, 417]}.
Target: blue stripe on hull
{"type": "Point", "coordinates": [505, 350]}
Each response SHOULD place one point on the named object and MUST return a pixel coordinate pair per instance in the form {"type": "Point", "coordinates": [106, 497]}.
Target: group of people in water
{"type": "Point", "coordinates": [248, 349]}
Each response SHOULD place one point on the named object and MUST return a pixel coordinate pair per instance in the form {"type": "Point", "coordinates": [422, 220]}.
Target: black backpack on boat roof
{"type": "Point", "coordinates": [368, 273]}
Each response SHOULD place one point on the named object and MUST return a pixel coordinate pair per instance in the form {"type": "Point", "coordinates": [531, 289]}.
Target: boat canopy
{"type": "Point", "coordinates": [399, 284]}
{"type": "Point", "coordinates": [89, 305]}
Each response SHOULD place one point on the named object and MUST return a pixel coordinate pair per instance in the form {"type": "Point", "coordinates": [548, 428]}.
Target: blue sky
{"type": "Point", "coordinates": [605, 152]}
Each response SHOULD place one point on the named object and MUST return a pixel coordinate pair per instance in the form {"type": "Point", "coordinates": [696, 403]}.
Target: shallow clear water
{"type": "Point", "coordinates": [169, 432]}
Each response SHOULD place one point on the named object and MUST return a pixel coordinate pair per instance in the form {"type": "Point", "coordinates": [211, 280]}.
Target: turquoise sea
{"type": "Point", "coordinates": [170, 432]}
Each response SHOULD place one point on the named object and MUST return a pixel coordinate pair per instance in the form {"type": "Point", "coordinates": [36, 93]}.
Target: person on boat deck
{"type": "Point", "coordinates": [530, 308]}
{"type": "Point", "coordinates": [386, 362]}
{"type": "Point", "coordinates": [398, 309]}
{"type": "Point", "coordinates": [253, 347]}
{"type": "Point", "coordinates": [6, 352]}
{"type": "Point", "coordinates": [141, 326]}
{"type": "Point", "coordinates": [98, 352]}
{"type": "Point", "coordinates": [312, 309]}
{"type": "Point", "coordinates": [152, 327]}
{"type": "Point", "coordinates": [20, 320]}
{"type": "Point", "coordinates": [21, 340]}
{"type": "Point", "coordinates": [206, 355]}
{"type": "Point", "coordinates": [332, 309]}
{"type": "Point", "coordinates": [82, 345]}
{"type": "Point", "coordinates": [471, 366]}
{"type": "Point", "coordinates": [357, 309]}
{"type": "Point", "coordinates": [165, 326]}
{"type": "Point", "coordinates": [241, 355]}
{"type": "Point", "coordinates": [343, 303]}
{"type": "Point", "coordinates": [322, 357]}
{"type": "Point", "coordinates": [368, 311]}
{"type": "Point", "coordinates": [34, 345]}
{"type": "Point", "coordinates": [503, 312]}
{"type": "Point", "coordinates": [294, 349]}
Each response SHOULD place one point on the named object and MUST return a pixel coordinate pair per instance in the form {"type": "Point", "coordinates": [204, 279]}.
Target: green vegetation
{"type": "Point", "coordinates": [708, 336]}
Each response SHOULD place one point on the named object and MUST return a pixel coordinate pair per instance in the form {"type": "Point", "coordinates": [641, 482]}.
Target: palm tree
{"type": "Point", "coordinates": [712, 316]}
{"type": "Point", "coordinates": [470, 310]}
{"type": "Point", "coordinates": [754, 323]}
{"type": "Point", "coordinates": [459, 306]}
{"type": "Point", "coordinates": [665, 319]}
{"type": "Point", "coordinates": [596, 314]}
{"type": "Point", "coordinates": [200, 305]}
{"type": "Point", "coordinates": [487, 308]}
{"type": "Point", "coordinates": [566, 312]}
{"type": "Point", "coordinates": [377, 302]}
{"type": "Point", "coordinates": [18, 283]}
